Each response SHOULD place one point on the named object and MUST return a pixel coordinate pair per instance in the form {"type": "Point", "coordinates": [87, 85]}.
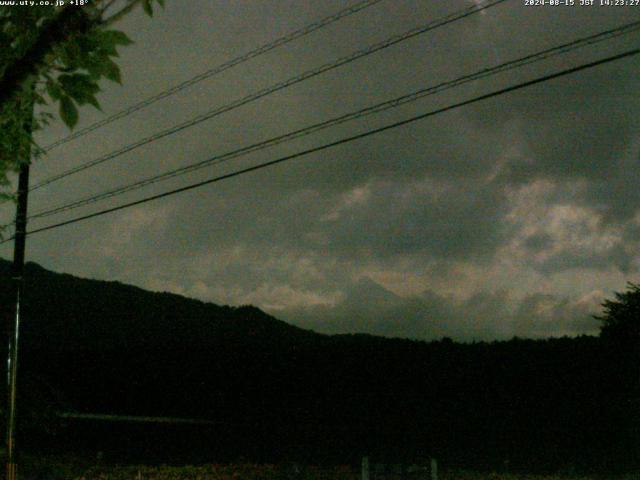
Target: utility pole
{"type": "Point", "coordinates": [17, 277]}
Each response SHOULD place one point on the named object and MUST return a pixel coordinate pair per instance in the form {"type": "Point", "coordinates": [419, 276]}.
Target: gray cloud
{"type": "Point", "coordinates": [367, 306]}
{"type": "Point", "coordinates": [495, 220]}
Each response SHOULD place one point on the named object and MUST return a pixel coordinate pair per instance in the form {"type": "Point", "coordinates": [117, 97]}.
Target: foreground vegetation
{"type": "Point", "coordinates": [59, 469]}
{"type": "Point", "coordinates": [56, 469]}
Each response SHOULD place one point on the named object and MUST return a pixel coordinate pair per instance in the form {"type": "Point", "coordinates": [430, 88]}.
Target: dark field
{"type": "Point", "coordinates": [64, 469]}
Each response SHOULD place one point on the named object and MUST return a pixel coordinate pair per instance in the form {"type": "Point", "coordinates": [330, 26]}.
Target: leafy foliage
{"type": "Point", "coordinates": [68, 470]}
{"type": "Point", "coordinates": [621, 318]}
{"type": "Point", "coordinates": [76, 469]}
{"type": "Point", "coordinates": [68, 74]}
{"type": "Point", "coordinates": [80, 64]}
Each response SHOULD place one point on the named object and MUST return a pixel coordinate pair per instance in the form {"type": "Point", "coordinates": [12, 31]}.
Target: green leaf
{"type": "Point", "coordinates": [68, 112]}
{"type": "Point", "coordinates": [95, 64]}
{"type": "Point", "coordinates": [115, 37]}
{"type": "Point", "coordinates": [90, 41]}
{"type": "Point", "coordinates": [6, 197]}
{"type": "Point", "coordinates": [147, 7]}
{"type": "Point", "coordinates": [79, 86]}
{"type": "Point", "coordinates": [94, 68]}
{"type": "Point", "coordinates": [108, 48]}
{"type": "Point", "coordinates": [71, 54]}
{"type": "Point", "coordinates": [111, 71]}
{"type": "Point", "coordinates": [161, 2]}
{"type": "Point", "coordinates": [39, 99]}
{"type": "Point", "coordinates": [92, 100]}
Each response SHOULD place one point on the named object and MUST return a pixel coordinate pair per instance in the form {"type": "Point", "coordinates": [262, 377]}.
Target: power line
{"type": "Point", "coordinates": [274, 88]}
{"type": "Point", "coordinates": [342, 141]}
{"type": "Point", "coordinates": [377, 108]}
{"type": "Point", "coordinates": [217, 70]}
{"type": "Point", "coordinates": [277, 87]}
{"type": "Point", "coordinates": [135, 418]}
{"type": "Point", "coordinates": [187, 421]}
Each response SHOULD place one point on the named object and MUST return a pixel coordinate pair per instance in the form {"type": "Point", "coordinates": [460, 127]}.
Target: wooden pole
{"type": "Point", "coordinates": [17, 277]}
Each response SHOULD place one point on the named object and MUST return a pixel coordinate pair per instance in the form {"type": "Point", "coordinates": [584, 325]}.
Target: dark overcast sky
{"type": "Point", "coordinates": [515, 216]}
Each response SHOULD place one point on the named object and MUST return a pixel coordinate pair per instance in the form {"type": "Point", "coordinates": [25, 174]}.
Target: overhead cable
{"type": "Point", "coordinates": [395, 39]}
{"type": "Point", "coordinates": [312, 27]}
{"type": "Point", "coordinates": [373, 109]}
{"type": "Point", "coordinates": [342, 141]}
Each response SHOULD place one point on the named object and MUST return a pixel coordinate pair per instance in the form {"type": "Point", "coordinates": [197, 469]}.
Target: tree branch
{"type": "Point", "coordinates": [108, 5]}
{"type": "Point", "coordinates": [56, 31]}
{"type": "Point", "coordinates": [122, 12]}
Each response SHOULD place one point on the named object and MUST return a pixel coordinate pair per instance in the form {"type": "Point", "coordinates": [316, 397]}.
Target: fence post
{"type": "Point", "coordinates": [434, 469]}
{"type": "Point", "coordinates": [365, 468]}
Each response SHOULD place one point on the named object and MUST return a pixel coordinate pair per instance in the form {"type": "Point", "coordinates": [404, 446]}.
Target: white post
{"type": "Point", "coordinates": [365, 468]}
{"type": "Point", "coordinates": [434, 469]}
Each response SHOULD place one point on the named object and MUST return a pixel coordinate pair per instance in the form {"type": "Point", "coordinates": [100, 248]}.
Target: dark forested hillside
{"type": "Point", "coordinates": [276, 391]}
{"type": "Point", "coordinates": [75, 313]}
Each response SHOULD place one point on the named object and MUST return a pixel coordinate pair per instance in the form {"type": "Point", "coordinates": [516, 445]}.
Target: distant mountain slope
{"type": "Point", "coordinates": [66, 312]}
